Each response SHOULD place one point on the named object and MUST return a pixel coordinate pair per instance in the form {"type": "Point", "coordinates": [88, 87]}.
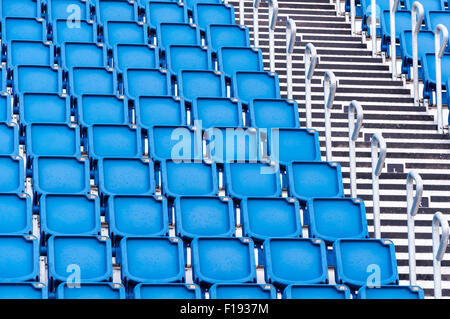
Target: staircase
{"type": "Point", "coordinates": [410, 132]}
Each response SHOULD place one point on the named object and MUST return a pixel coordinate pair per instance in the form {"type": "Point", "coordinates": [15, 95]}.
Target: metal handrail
{"type": "Point", "coordinates": [373, 26]}
{"type": "Point", "coordinates": [273, 18]}
{"type": "Point", "coordinates": [378, 160]}
{"type": "Point", "coordinates": [416, 12]}
{"type": "Point", "coordinates": [311, 60]}
{"type": "Point", "coordinates": [393, 5]}
{"type": "Point", "coordinates": [353, 16]}
{"type": "Point", "coordinates": [241, 12]}
{"type": "Point", "coordinates": [412, 206]}
{"type": "Point", "coordinates": [338, 7]}
{"type": "Point", "coordinates": [353, 134]}
{"type": "Point", "coordinates": [438, 252]}
{"type": "Point", "coordinates": [256, 4]}
{"type": "Point", "coordinates": [439, 52]}
{"type": "Point", "coordinates": [291, 35]}
{"type": "Point", "coordinates": [329, 89]}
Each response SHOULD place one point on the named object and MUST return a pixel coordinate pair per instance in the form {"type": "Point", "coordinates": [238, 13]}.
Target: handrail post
{"type": "Point", "coordinates": [311, 60]}
{"type": "Point", "coordinates": [241, 12]}
{"type": "Point", "coordinates": [329, 90]}
{"type": "Point", "coordinates": [353, 134]}
{"type": "Point", "coordinates": [393, 4]}
{"type": "Point", "coordinates": [256, 4]}
{"type": "Point", "coordinates": [273, 17]}
{"type": "Point", "coordinates": [416, 12]}
{"type": "Point", "coordinates": [412, 206]}
{"type": "Point", "coordinates": [373, 26]}
{"type": "Point", "coordinates": [338, 7]}
{"type": "Point", "coordinates": [438, 251]}
{"type": "Point", "coordinates": [352, 16]}
{"type": "Point", "coordinates": [439, 52]}
{"type": "Point", "coordinates": [291, 34]}
{"type": "Point", "coordinates": [377, 166]}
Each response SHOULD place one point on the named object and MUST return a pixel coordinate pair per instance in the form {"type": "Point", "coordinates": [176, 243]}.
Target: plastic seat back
{"type": "Point", "coordinates": [84, 32]}
{"type": "Point", "coordinates": [29, 53]}
{"type": "Point", "coordinates": [23, 290]}
{"type": "Point", "coordinates": [123, 32]}
{"type": "Point", "coordinates": [114, 141]}
{"type": "Point", "coordinates": [44, 108]}
{"type": "Point", "coordinates": [91, 291]}
{"type": "Point", "coordinates": [82, 55]}
{"type": "Point", "coordinates": [102, 109]}
{"type": "Point", "coordinates": [194, 84]}
{"type": "Point", "coordinates": [9, 139]}
{"type": "Point", "coordinates": [218, 112]}
{"type": "Point", "coordinates": [255, 85]}
{"type": "Point", "coordinates": [92, 81]}
{"type": "Point", "coordinates": [316, 292]}
{"type": "Point", "coordinates": [27, 29]}
{"type": "Point", "coordinates": [295, 261]}
{"type": "Point", "coordinates": [36, 79]}
{"type": "Point", "coordinates": [188, 58]}
{"type": "Point", "coordinates": [225, 35]}
{"type": "Point", "coordinates": [177, 34]}
{"type": "Point", "coordinates": [135, 56]}
{"type": "Point", "coordinates": [207, 13]}
{"type": "Point", "coordinates": [20, 8]}
{"type": "Point", "coordinates": [116, 10]}
{"type": "Point", "coordinates": [145, 82]}
{"type": "Point", "coordinates": [15, 214]}
{"type": "Point", "coordinates": [167, 291]}
{"type": "Point", "coordinates": [269, 113]}
{"type": "Point", "coordinates": [12, 170]}
{"type": "Point", "coordinates": [232, 59]}
{"type": "Point", "coordinates": [165, 12]}
{"type": "Point", "coordinates": [160, 110]}
{"type": "Point", "coordinates": [242, 291]}
{"type": "Point", "coordinates": [288, 145]}
{"type": "Point", "coordinates": [391, 292]}
{"type": "Point", "coordinates": [204, 217]}
{"type": "Point", "coordinates": [69, 9]}
{"type": "Point", "coordinates": [20, 258]}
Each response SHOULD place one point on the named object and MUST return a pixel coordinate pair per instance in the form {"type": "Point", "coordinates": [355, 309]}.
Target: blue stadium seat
{"type": "Point", "coordinates": [165, 12]}
{"type": "Point", "coordinates": [135, 56]}
{"type": "Point", "coordinates": [204, 217]}
{"type": "Point", "coordinates": [32, 79]}
{"type": "Point", "coordinates": [102, 109]}
{"type": "Point", "coordinates": [206, 14]}
{"type": "Point", "coordinates": [274, 113]}
{"type": "Point", "coordinates": [242, 291]}
{"type": "Point", "coordinates": [123, 32]}
{"type": "Point", "coordinates": [9, 139]}
{"type": "Point", "coordinates": [391, 292]}
{"type": "Point", "coordinates": [428, 5]}
{"type": "Point", "coordinates": [125, 176]}
{"type": "Point", "coordinates": [175, 142]}
{"type": "Point", "coordinates": [191, 3]}
{"type": "Point", "coordinates": [114, 141]}
{"type": "Point", "coordinates": [92, 81]}
{"type": "Point", "coordinates": [61, 175]}
{"type": "Point", "coordinates": [334, 218]}
{"type": "Point", "coordinates": [69, 215]}
{"type": "Point", "coordinates": [62, 32]}
{"type": "Point", "coordinates": [183, 57]}
{"type": "Point", "coordinates": [288, 145]}
{"type": "Point", "coordinates": [234, 59]}
{"type": "Point", "coordinates": [426, 40]}
{"type": "Point", "coordinates": [29, 53]}
{"type": "Point", "coordinates": [3, 81]}
{"type": "Point", "coordinates": [382, 5]}
{"type": "Point", "coordinates": [177, 34]}
{"type": "Point", "coordinates": [130, 216]}
{"type": "Point", "coordinates": [5, 108]}
{"type": "Point", "coordinates": [316, 292]}
{"type": "Point", "coordinates": [91, 291]}
{"type": "Point", "coordinates": [315, 180]}
{"type": "Point", "coordinates": [194, 84]}
{"type": "Point", "coordinates": [21, 8]}
{"type": "Point", "coordinates": [12, 172]}
{"type": "Point", "coordinates": [218, 112]}
{"type": "Point", "coordinates": [70, 9]}
{"type": "Point", "coordinates": [160, 110]}
{"type": "Point", "coordinates": [43, 108]}
{"type": "Point", "coordinates": [80, 54]}
{"type": "Point", "coordinates": [15, 214]}
{"type": "Point", "coordinates": [136, 82]}
{"type": "Point", "coordinates": [53, 140]}
{"type": "Point", "coordinates": [23, 290]}
{"type": "Point", "coordinates": [26, 29]}
{"type": "Point", "coordinates": [358, 7]}
{"type": "Point", "coordinates": [402, 23]}
{"type": "Point", "coordinates": [295, 261]}
{"type": "Point", "coordinates": [264, 218]}
{"type": "Point", "coordinates": [189, 179]}
{"type": "Point", "coordinates": [151, 260]}
{"type": "Point", "coordinates": [357, 259]}
{"type": "Point", "coordinates": [167, 291]}
{"type": "Point", "coordinates": [437, 17]}
{"type": "Point", "coordinates": [255, 85]}
{"type": "Point", "coordinates": [20, 258]}
{"type": "Point", "coordinates": [116, 10]}
{"type": "Point", "coordinates": [252, 180]}
{"type": "Point", "coordinates": [230, 145]}
{"type": "Point", "coordinates": [225, 35]}
{"type": "Point", "coordinates": [90, 257]}
{"type": "Point", "coordinates": [429, 74]}
{"type": "Point", "coordinates": [223, 260]}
